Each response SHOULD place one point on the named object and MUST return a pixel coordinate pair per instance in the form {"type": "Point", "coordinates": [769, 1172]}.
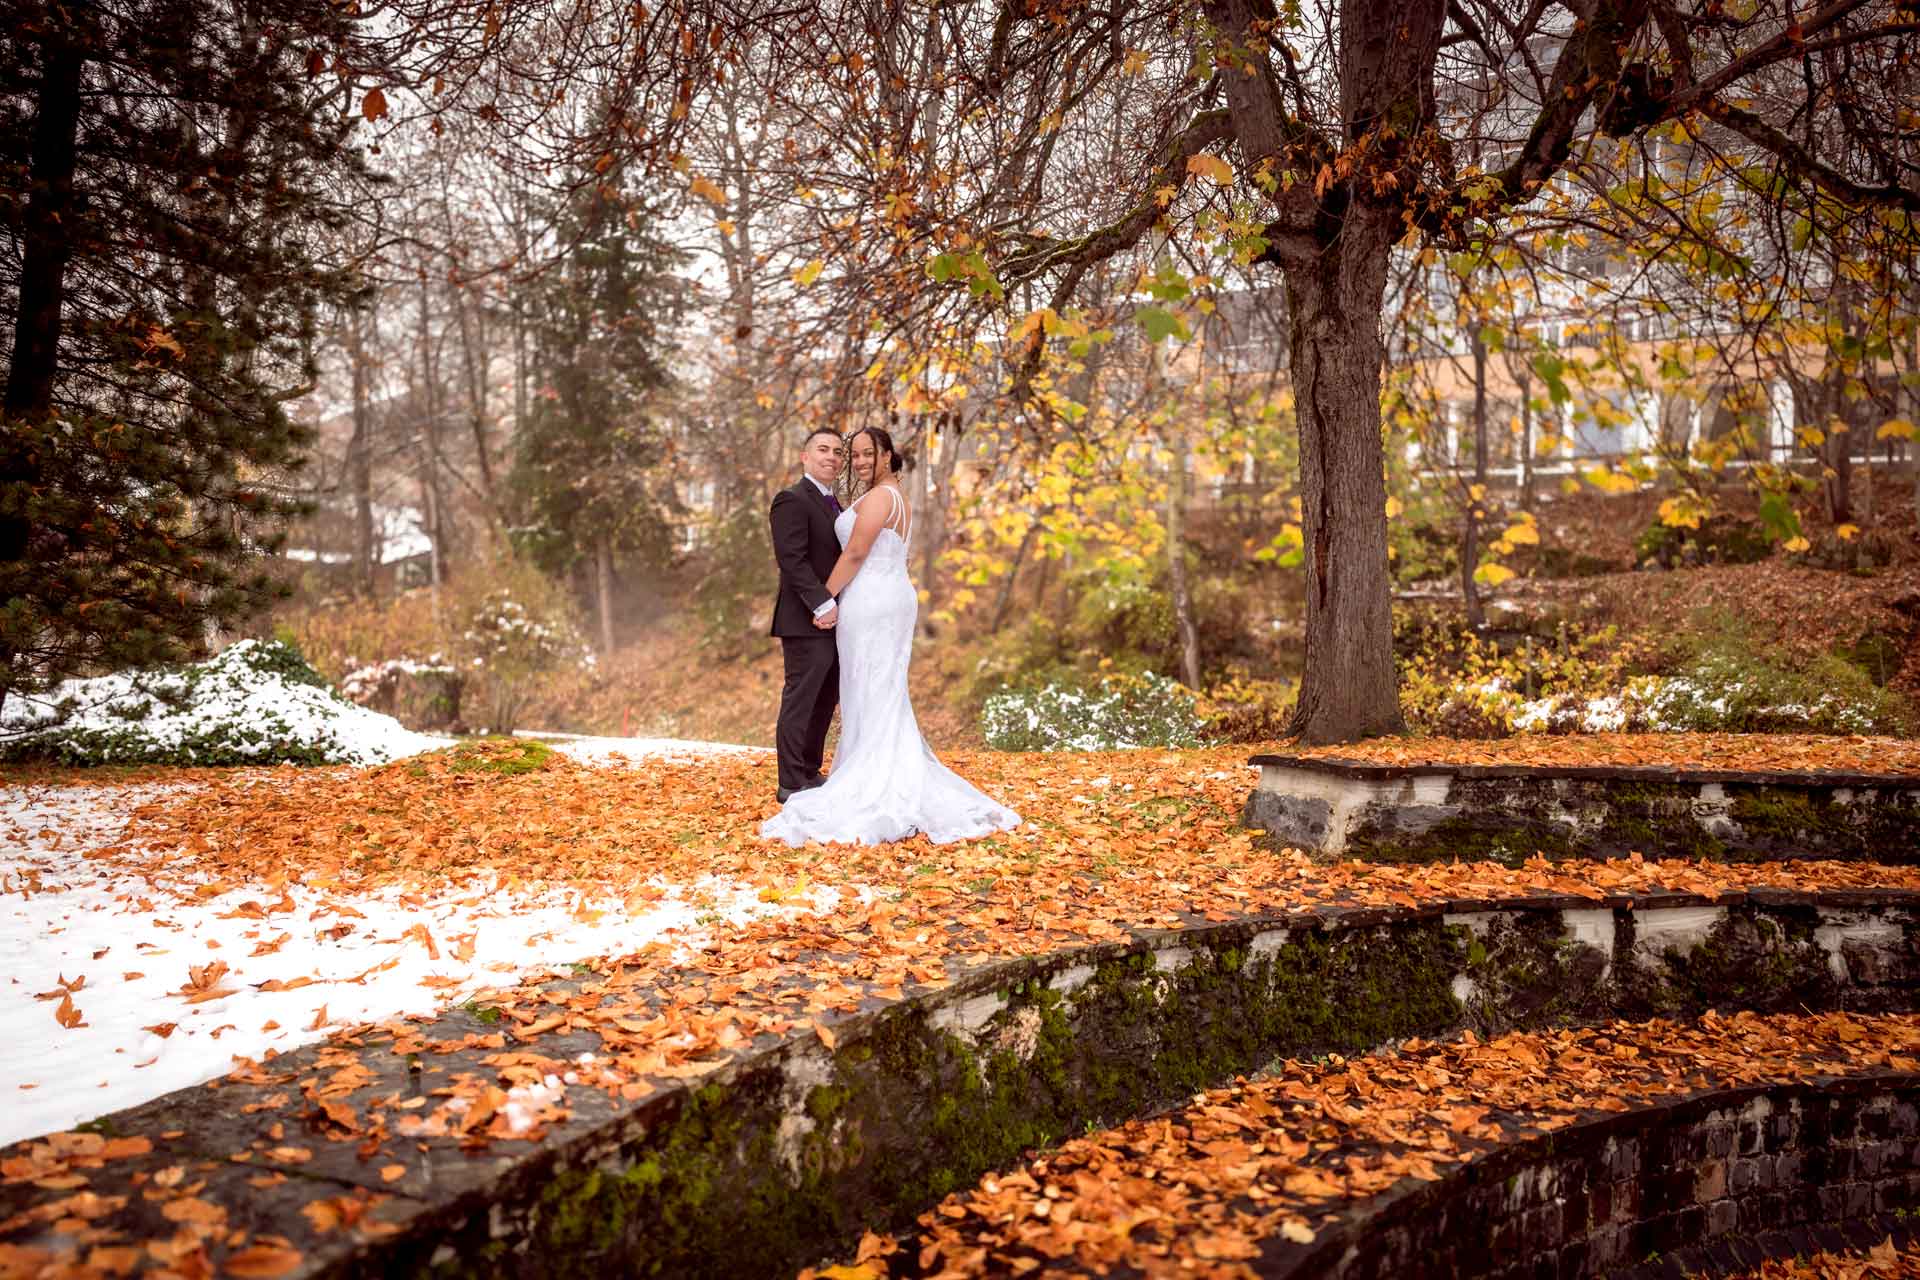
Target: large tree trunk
{"type": "Point", "coordinates": [46, 246]}
{"type": "Point", "coordinates": [1348, 690]}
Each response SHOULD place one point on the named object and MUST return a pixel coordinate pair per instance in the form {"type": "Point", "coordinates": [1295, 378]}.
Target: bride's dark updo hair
{"type": "Point", "coordinates": [897, 462]}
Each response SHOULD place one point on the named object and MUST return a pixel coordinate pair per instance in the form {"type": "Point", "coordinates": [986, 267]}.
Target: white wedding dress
{"type": "Point", "coordinates": [885, 784]}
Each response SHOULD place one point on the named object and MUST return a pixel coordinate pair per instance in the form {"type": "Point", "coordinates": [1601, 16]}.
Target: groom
{"type": "Point", "coordinates": [805, 547]}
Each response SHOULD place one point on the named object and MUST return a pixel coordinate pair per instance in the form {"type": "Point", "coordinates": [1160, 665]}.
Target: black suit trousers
{"type": "Point", "coordinates": [807, 700]}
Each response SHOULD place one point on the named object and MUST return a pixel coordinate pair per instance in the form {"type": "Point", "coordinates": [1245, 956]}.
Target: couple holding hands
{"type": "Point", "coordinates": [845, 616]}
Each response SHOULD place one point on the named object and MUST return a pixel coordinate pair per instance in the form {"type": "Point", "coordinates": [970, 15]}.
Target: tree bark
{"type": "Point", "coordinates": [360, 459]}
{"type": "Point", "coordinates": [1526, 440]}
{"type": "Point", "coordinates": [1838, 449]}
{"type": "Point", "coordinates": [473, 357]}
{"type": "Point", "coordinates": [933, 512]}
{"type": "Point", "coordinates": [1477, 491]}
{"type": "Point", "coordinates": [46, 247]}
{"type": "Point", "coordinates": [1347, 690]}
{"type": "Point", "coordinates": [433, 497]}
{"type": "Point", "coordinates": [1005, 601]}
{"type": "Point", "coordinates": [603, 589]}
{"type": "Point", "coordinates": [1177, 564]}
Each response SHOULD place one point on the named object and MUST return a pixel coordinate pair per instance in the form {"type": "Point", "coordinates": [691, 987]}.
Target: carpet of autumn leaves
{"type": "Point", "coordinates": [1717, 752]}
{"type": "Point", "coordinates": [1885, 1261]}
{"type": "Point", "coordinates": [1113, 843]}
{"type": "Point", "coordinates": [1194, 1191]}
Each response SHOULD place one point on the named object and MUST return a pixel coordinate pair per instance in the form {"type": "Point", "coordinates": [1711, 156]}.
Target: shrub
{"type": "Point", "coordinates": [1458, 684]}
{"type": "Point", "coordinates": [257, 702]}
{"type": "Point", "coordinates": [503, 629]}
{"type": "Point", "coordinates": [737, 579]}
{"type": "Point", "coordinates": [1125, 611]}
{"type": "Point", "coordinates": [1720, 539]}
{"type": "Point", "coordinates": [344, 635]}
{"type": "Point", "coordinates": [1880, 654]}
{"type": "Point", "coordinates": [1019, 656]}
{"type": "Point", "coordinates": [1724, 679]}
{"type": "Point", "coordinates": [1244, 709]}
{"type": "Point", "coordinates": [1733, 685]}
{"type": "Point", "coordinates": [1111, 711]}
{"type": "Point", "coordinates": [423, 693]}
{"type": "Point", "coordinates": [510, 645]}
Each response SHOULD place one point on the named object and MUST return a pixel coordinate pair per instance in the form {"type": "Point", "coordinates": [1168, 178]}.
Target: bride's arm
{"type": "Point", "coordinates": [868, 518]}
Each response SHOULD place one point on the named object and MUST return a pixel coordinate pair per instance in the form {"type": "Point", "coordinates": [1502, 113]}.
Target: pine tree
{"type": "Point", "coordinates": [166, 168]}
{"type": "Point", "coordinates": [589, 466]}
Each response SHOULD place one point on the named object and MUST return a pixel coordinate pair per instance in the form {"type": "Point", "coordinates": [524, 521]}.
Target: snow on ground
{"type": "Point", "coordinates": [115, 992]}
{"type": "Point", "coordinates": [591, 750]}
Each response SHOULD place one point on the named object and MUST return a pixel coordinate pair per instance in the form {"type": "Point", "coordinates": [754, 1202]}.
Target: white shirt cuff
{"type": "Point", "coordinates": [821, 611]}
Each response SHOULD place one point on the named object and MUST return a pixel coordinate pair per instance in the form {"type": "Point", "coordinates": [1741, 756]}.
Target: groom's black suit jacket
{"type": "Point", "coordinates": [806, 549]}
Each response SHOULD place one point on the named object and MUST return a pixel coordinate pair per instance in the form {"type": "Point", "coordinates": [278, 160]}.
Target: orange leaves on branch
{"type": "Point", "coordinates": [1211, 166]}
{"type": "Point", "coordinates": [374, 105]}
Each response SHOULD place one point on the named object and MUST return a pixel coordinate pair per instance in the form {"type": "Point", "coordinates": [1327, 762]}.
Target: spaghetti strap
{"type": "Point", "coordinates": [897, 519]}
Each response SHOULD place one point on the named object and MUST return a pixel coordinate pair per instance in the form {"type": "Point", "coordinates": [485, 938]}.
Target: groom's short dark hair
{"type": "Point", "coordinates": [819, 431]}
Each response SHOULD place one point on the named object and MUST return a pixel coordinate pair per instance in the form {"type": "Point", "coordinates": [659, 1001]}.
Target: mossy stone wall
{"type": "Point", "coordinates": [788, 1158]}
{"type": "Point", "coordinates": [1509, 815]}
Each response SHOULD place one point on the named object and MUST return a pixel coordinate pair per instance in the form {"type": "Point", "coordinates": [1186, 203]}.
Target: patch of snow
{"type": "Point", "coordinates": [124, 951]}
{"type": "Point", "coordinates": [592, 750]}
{"type": "Point", "coordinates": [232, 704]}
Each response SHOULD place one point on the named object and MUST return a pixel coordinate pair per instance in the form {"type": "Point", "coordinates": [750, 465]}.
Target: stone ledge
{"type": "Point", "coordinates": [1373, 770]}
{"type": "Point", "coordinates": [787, 1153]}
{"type": "Point", "coordinates": [1702, 1184]}
{"type": "Point", "coordinates": [1510, 813]}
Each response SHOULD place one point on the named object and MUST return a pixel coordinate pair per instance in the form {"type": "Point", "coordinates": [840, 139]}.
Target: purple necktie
{"type": "Point", "coordinates": [833, 503]}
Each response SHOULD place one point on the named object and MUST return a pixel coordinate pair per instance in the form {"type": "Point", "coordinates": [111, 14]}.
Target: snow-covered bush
{"type": "Point", "coordinates": [1704, 701]}
{"type": "Point", "coordinates": [509, 646]}
{"type": "Point", "coordinates": [364, 680]}
{"type": "Point", "coordinates": [1110, 712]}
{"type": "Point", "coordinates": [255, 703]}
{"type": "Point", "coordinates": [423, 693]}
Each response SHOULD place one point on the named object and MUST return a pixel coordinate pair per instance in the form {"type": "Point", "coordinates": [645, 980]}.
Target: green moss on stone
{"type": "Point", "coordinates": [1779, 814]}
{"type": "Point", "coordinates": [1509, 821]}
{"type": "Point", "coordinates": [1481, 837]}
{"type": "Point", "coordinates": [1525, 971]}
{"type": "Point", "coordinates": [1761, 958]}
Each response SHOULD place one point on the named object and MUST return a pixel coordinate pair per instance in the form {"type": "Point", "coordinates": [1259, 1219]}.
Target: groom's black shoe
{"type": "Point", "coordinates": [783, 794]}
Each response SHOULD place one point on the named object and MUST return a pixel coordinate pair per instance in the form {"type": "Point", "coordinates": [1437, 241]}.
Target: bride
{"type": "Point", "coordinates": [885, 784]}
